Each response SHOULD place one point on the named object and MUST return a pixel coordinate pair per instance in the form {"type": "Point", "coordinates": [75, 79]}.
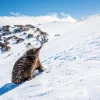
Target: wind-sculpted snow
{"type": "Point", "coordinates": [71, 61]}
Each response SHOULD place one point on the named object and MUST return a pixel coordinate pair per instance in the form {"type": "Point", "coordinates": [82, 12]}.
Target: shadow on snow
{"type": "Point", "coordinates": [8, 87]}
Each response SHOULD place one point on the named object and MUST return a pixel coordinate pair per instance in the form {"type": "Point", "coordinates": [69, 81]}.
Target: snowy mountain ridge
{"type": "Point", "coordinates": [23, 20]}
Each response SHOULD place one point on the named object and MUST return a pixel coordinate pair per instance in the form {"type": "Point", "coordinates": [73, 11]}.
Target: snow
{"type": "Point", "coordinates": [34, 20]}
{"type": "Point", "coordinates": [71, 60]}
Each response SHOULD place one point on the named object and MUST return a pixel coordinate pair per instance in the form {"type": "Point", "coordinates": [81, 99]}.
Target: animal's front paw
{"type": "Point", "coordinates": [43, 69]}
{"type": "Point", "coordinates": [40, 71]}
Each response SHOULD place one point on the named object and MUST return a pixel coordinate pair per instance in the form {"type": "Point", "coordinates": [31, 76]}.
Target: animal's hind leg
{"type": "Point", "coordinates": [27, 76]}
{"type": "Point", "coordinates": [31, 72]}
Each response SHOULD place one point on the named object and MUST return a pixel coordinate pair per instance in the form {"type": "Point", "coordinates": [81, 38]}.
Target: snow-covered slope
{"type": "Point", "coordinates": [71, 59]}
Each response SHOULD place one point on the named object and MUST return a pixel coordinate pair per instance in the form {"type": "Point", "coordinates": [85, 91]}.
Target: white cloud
{"type": "Point", "coordinates": [64, 15]}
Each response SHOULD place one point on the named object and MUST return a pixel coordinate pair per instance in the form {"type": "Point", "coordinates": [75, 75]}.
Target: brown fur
{"type": "Point", "coordinates": [26, 65]}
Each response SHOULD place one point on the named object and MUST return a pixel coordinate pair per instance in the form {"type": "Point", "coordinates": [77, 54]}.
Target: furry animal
{"type": "Point", "coordinates": [26, 65]}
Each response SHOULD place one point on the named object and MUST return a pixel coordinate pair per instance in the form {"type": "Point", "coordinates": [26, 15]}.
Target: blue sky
{"type": "Point", "coordinates": [76, 8]}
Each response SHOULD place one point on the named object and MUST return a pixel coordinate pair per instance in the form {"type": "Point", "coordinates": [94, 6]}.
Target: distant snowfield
{"type": "Point", "coordinates": [23, 20]}
{"type": "Point", "coordinates": [72, 62]}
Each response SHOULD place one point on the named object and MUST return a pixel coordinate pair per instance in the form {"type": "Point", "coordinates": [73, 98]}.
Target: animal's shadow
{"type": "Point", "coordinates": [10, 86]}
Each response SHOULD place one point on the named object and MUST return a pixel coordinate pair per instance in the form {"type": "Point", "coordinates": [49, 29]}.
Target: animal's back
{"type": "Point", "coordinates": [22, 65]}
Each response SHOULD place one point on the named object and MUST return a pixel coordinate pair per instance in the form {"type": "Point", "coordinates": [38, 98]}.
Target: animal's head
{"type": "Point", "coordinates": [33, 53]}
